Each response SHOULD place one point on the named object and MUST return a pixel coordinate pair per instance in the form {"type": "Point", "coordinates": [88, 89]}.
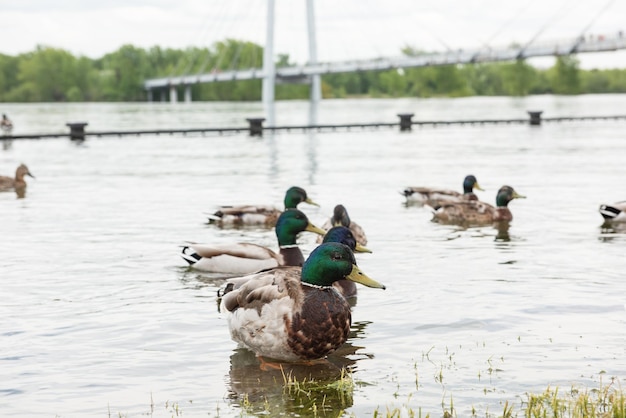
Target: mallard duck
{"type": "Point", "coordinates": [340, 217]}
{"type": "Point", "coordinates": [16, 183]}
{"type": "Point", "coordinates": [295, 314]}
{"type": "Point", "coordinates": [244, 258]}
{"type": "Point", "coordinates": [475, 212]}
{"type": "Point", "coordinates": [436, 197]}
{"type": "Point", "coordinates": [339, 234]}
{"type": "Point", "coordinates": [614, 213]}
{"type": "Point", "coordinates": [344, 236]}
{"type": "Point", "coordinates": [259, 215]}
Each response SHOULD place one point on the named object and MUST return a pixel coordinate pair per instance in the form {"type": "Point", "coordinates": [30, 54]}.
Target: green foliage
{"type": "Point", "coordinates": [565, 76]}
{"type": "Point", "coordinates": [54, 75]}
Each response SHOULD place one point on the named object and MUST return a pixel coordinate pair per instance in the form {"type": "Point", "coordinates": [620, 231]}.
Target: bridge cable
{"type": "Point", "coordinates": [188, 63]}
{"type": "Point", "coordinates": [606, 6]}
{"type": "Point", "coordinates": [581, 37]}
{"type": "Point", "coordinates": [221, 55]}
{"type": "Point", "coordinates": [506, 24]}
{"type": "Point", "coordinates": [554, 18]}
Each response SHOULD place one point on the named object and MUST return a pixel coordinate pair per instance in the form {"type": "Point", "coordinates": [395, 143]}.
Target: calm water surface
{"type": "Point", "coordinates": [100, 317]}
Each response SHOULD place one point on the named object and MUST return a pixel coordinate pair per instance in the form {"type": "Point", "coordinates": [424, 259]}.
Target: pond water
{"type": "Point", "coordinates": [101, 317]}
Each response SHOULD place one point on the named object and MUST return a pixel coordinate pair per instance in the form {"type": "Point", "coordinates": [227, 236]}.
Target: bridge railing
{"type": "Point", "coordinates": [596, 43]}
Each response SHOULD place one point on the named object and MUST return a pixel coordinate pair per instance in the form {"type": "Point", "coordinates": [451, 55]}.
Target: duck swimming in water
{"type": "Point", "coordinates": [244, 258]}
{"type": "Point", "coordinates": [295, 314]}
{"type": "Point", "coordinates": [436, 197]}
{"type": "Point", "coordinates": [475, 212]}
{"type": "Point", "coordinates": [340, 217]}
{"type": "Point", "coordinates": [258, 215]}
{"type": "Point", "coordinates": [17, 183]}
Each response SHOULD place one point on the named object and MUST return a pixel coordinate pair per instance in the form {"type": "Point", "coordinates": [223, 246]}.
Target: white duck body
{"type": "Point", "coordinates": [245, 258]}
{"type": "Point", "coordinates": [236, 258]}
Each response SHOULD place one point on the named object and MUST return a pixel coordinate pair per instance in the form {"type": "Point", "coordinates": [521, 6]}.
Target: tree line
{"type": "Point", "coordinates": [50, 74]}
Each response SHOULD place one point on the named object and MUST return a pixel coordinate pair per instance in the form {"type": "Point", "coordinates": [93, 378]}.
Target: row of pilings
{"type": "Point", "coordinates": [78, 130]}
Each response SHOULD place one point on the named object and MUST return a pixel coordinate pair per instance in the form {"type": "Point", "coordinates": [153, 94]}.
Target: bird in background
{"type": "Point", "coordinates": [258, 215]}
{"type": "Point", "coordinates": [17, 183]}
{"type": "Point", "coordinates": [477, 213]}
{"type": "Point", "coordinates": [340, 217]}
{"type": "Point", "coordinates": [436, 197]}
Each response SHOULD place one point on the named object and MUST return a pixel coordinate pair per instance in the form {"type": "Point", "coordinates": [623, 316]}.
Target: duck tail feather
{"type": "Point", "coordinates": [609, 212]}
{"type": "Point", "coordinates": [189, 255]}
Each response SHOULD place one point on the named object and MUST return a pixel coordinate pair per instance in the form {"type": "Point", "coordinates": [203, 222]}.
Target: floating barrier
{"type": "Point", "coordinates": [255, 127]}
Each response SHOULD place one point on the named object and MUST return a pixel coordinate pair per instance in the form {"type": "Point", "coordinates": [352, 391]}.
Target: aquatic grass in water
{"type": "Point", "coordinates": [603, 402]}
{"type": "Point", "coordinates": [607, 401]}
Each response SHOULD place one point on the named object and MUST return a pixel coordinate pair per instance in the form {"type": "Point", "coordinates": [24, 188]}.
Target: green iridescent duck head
{"type": "Point", "coordinates": [470, 183]}
{"type": "Point", "coordinates": [290, 223]}
{"type": "Point", "coordinates": [505, 195]}
{"type": "Point", "coordinates": [331, 262]}
{"type": "Point", "coordinates": [296, 195]}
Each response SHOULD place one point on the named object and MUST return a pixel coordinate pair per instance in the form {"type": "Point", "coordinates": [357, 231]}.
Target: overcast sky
{"type": "Point", "coordinates": [346, 29]}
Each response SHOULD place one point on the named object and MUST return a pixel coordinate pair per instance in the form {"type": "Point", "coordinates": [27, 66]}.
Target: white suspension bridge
{"type": "Point", "coordinates": [311, 72]}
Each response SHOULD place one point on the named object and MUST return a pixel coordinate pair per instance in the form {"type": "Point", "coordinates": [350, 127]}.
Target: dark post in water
{"type": "Point", "coordinates": [77, 130]}
{"type": "Point", "coordinates": [256, 126]}
{"type": "Point", "coordinates": [535, 117]}
{"type": "Point", "coordinates": [405, 121]}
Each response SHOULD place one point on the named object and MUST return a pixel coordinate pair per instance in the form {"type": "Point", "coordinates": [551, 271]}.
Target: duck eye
{"type": "Point", "coordinates": [335, 256]}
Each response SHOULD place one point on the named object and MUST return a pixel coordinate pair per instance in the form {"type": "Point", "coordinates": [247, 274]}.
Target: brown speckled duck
{"type": "Point", "coordinates": [436, 197]}
{"type": "Point", "coordinates": [475, 212]}
{"type": "Point", "coordinates": [258, 215]}
{"type": "Point", "coordinates": [341, 218]}
{"type": "Point", "coordinates": [16, 183]}
{"type": "Point", "coordinates": [295, 314]}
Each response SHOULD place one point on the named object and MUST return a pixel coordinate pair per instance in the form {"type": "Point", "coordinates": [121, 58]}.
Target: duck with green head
{"type": "Point", "coordinates": [475, 212]}
{"type": "Point", "coordinates": [344, 236]}
{"type": "Point", "coordinates": [259, 215]}
{"type": "Point", "coordinates": [436, 197]}
{"type": "Point", "coordinates": [295, 314]}
{"type": "Point", "coordinates": [244, 258]}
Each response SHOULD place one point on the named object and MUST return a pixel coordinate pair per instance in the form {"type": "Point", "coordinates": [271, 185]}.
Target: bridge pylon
{"type": "Point", "coordinates": [269, 68]}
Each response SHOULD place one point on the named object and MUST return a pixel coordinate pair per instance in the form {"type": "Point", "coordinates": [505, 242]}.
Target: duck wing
{"type": "Point", "coordinates": [431, 196]}
{"type": "Point", "coordinates": [257, 290]}
{"type": "Point", "coordinates": [472, 212]}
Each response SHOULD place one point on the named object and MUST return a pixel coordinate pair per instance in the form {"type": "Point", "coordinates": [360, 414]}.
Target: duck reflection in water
{"type": "Point", "coordinates": [296, 387]}
{"type": "Point", "coordinates": [610, 231]}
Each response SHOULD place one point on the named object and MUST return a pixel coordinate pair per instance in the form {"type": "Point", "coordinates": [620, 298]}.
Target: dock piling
{"type": "Point", "coordinates": [405, 121]}
{"type": "Point", "coordinates": [77, 130]}
{"type": "Point", "coordinates": [256, 126]}
{"type": "Point", "coordinates": [535, 117]}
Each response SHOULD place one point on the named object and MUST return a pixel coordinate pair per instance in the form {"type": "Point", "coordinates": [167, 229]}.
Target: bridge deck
{"type": "Point", "coordinates": [565, 47]}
